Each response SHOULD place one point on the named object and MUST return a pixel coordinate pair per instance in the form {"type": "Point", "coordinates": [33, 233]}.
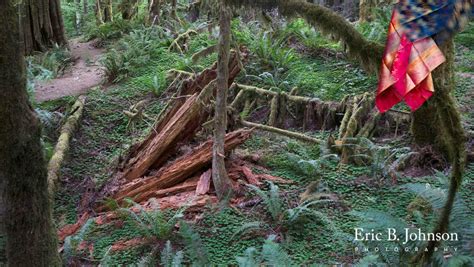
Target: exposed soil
{"type": "Point", "coordinates": [83, 75]}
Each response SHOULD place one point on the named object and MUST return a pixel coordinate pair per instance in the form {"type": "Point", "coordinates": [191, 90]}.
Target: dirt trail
{"type": "Point", "coordinates": [83, 75]}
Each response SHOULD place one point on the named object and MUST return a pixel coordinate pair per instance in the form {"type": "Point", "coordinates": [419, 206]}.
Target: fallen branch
{"type": "Point", "coordinates": [62, 146]}
{"type": "Point", "coordinates": [291, 134]}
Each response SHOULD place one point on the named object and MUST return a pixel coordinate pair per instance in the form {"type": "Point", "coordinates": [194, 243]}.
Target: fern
{"type": "Point", "coordinates": [194, 247]}
{"type": "Point", "coordinates": [71, 242]}
{"type": "Point", "coordinates": [153, 223]}
{"type": "Point", "coordinates": [271, 199]}
{"type": "Point", "coordinates": [169, 258]}
{"type": "Point", "coordinates": [270, 255]}
{"type": "Point", "coordinates": [247, 227]}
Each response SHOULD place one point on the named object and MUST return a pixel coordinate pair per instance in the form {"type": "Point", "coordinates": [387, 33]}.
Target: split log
{"type": "Point", "coordinates": [189, 86]}
{"type": "Point", "coordinates": [181, 169]}
{"type": "Point", "coordinates": [204, 183]}
{"type": "Point", "coordinates": [185, 122]}
{"type": "Point", "coordinates": [71, 229]}
{"type": "Point", "coordinates": [62, 146]}
{"type": "Point", "coordinates": [251, 178]}
{"type": "Point", "coordinates": [295, 135]}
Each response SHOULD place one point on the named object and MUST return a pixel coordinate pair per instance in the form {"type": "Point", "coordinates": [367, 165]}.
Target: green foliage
{"type": "Point", "coordinates": [108, 31]}
{"type": "Point", "coordinates": [460, 223]}
{"type": "Point", "coordinates": [133, 52]}
{"type": "Point", "coordinates": [377, 157]}
{"type": "Point", "coordinates": [153, 223]}
{"type": "Point", "coordinates": [271, 199]}
{"type": "Point", "coordinates": [47, 65]}
{"type": "Point", "coordinates": [169, 258]}
{"type": "Point", "coordinates": [72, 242]}
{"type": "Point", "coordinates": [306, 34]}
{"type": "Point", "coordinates": [194, 248]}
{"type": "Point", "coordinates": [272, 54]}
{"type": "Point", "coordinates": [376, 30]}
{"type": "Point", "coordinates": [271, 254]}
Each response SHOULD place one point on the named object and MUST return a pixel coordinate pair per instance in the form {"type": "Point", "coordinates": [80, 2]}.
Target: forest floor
{"type": "Point", "coordinates": [85, 73]}
{"type": "Point", "coordinates": [221, 234]}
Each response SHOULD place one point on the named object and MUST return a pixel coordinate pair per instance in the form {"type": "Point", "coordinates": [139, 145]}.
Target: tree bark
{"type": "Point", "coordinates": [438, 122]}
{"type": "Point", "coordinates": [42, 25]}
{"type": "Point", "coordinates": [103, 11]}
{"type": "Point", "coordinates": [31, 239]}
{"type": "Point", "coordinates": [129, 9]}
{"type": "Point", "coordinates": [154, 10]}
{"type": "Point", "coordinates": [219, 173]}
{"type": "Point", "coordinates": [78, 23]}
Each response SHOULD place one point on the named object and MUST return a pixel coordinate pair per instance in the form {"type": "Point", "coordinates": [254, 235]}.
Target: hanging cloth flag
{"type": "Point", "coordinates": [406, 69]}
{"type": "Point", "coordinates": [437, 18]}
{"type": "Point", "coordinates": [411, 53]}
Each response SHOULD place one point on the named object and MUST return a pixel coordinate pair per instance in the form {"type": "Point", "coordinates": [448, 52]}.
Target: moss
{"type": "Point", "coordinates": [367, 53]}
{"type": "Point", "coordinates": [441, 119]}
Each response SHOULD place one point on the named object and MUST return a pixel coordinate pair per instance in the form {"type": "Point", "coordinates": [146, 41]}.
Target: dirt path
{"type": "Point", "coordinates": [83, 75]}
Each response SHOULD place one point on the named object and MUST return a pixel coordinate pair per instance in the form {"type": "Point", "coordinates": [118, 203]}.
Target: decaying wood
{"type": "Point", "coordinates": [291, 134]}
{"type": "Point", "coordinates": [251, 178]}
{"type": "Point", "coordinates": [185, 122]}
{"type": "Point", "coordinates": [204, 183]}
{"type": "Point", "coordinates": [317, 114]}
{"type": "Point", "coordinates": [71, 229]}
{"type": "Point", "coordinates": [62, 146]}
{"type": "Point", "coordinates": [180, 169]}
{"type": "Point", "coordinates": [187, 85]}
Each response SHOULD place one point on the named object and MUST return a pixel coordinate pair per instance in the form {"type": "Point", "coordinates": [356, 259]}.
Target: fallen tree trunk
{"type": "Point", "coordinates": [180, 169]}
{"type": "Point", "coordinates": [186, 86]}
{"type": "Point", "coordinates": [62, 146]}
{"type": "Point", "coordinates": [184, 123]}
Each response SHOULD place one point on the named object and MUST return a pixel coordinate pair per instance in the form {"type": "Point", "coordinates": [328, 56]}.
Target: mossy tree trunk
{"type": "Point", "coordinates": [128, 8]}
{"type": "Point", "coordinates": [219, 173]}
{"type": "Point", "coordinates": [31, 238]}
{"type": "Point", "coordinates": [154, 10]}
{"type": "Point", "coordinates": [42, 25]}
{"type": "Point", "coordinates": [103, 11]}
{"type": "Point", "coordinates": [438, 122]}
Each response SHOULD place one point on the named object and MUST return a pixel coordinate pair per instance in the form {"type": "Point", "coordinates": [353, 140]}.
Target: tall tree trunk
{"type": "Point", "coordinates": [438, 122]}
{"type": "Point", "coordinates": [103, 11]}
{"type": "Point", "coordinates": [30, 234]}
{"type": "Point", "coordinates": [108, 14]}
{"type": "Point", "coordinates": [219, 173]}
{"type": "Point", "coordinates": [78, 15]}
{"type": "Point", "coordinates": [128, 8]}
{"type": "Point", "coordinates": [85, 7]}
{"type": "Point", "coordinates": [42, 25]}
{"type": "Point", "coordinates": [154, 10]}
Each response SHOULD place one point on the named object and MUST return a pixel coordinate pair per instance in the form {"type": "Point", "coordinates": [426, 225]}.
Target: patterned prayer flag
{"type": "Point", "coordinates": [406, 69]}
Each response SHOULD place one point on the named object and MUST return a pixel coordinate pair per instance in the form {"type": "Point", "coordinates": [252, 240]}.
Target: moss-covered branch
{"type": "Point", "coordinates": [62, 146]}
{"type": "Point", "coordinates": [369, 54]}
{"type": "Point", "coordinates": [290, 134]}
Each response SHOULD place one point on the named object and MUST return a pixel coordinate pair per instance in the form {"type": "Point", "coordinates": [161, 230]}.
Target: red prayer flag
{"type": "Point", "coordinates": [406, 69]}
